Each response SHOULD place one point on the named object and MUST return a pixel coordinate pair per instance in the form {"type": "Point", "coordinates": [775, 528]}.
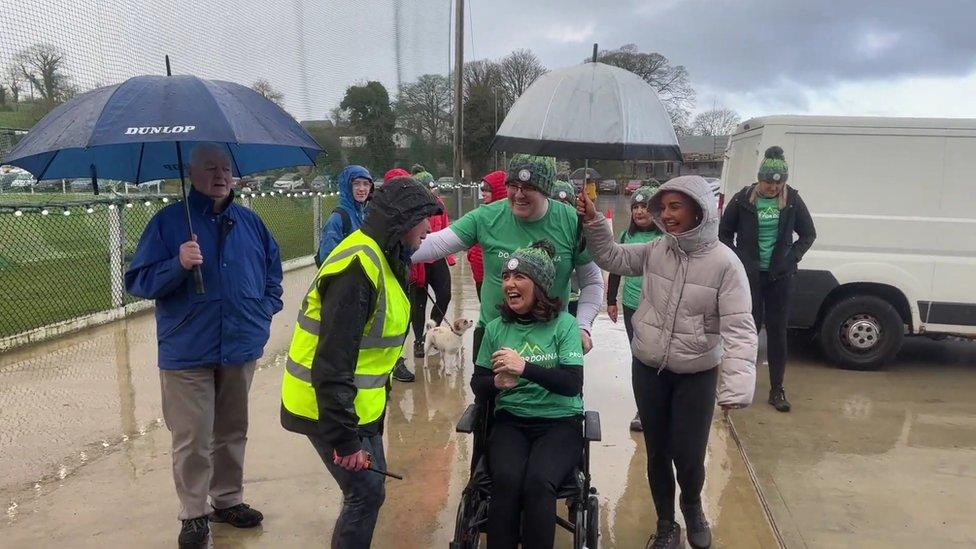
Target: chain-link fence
{"type": "Point", "coordinates": [64, 258]}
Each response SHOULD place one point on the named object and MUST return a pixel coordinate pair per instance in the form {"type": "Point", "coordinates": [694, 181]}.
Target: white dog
{"type": "Point", "coordinates": [446, 339]}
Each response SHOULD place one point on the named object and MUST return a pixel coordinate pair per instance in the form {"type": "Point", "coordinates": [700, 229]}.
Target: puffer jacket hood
{"type": "Point", "coordinates": [346, 199]}
{"type": "Point", "coordinates": [496, 180]}
{"type": "Point", "coordinates": [396, 207]}
{"type": "Point", "coordinates": [705, 235]}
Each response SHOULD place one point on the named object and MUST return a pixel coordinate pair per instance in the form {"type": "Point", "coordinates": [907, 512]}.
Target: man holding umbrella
{"type": "Point", "coordinates": [208, 343]}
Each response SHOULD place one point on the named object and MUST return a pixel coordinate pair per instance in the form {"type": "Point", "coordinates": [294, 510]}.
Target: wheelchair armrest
{"type": "Point", "coordinates": [591, 426]}
{"type": "Point", "coordinates": [468, 419]}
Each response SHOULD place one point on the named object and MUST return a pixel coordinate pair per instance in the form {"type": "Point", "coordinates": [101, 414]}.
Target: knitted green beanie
{"type": "Point", "coordinates": [535, 262]}
{"type": "Point", "coordinates": [563, 191]}
{"type": "Point", "coordinates": [417, 168]}
{"type": "Point", "coordinates": [538, 171]}
{"type": "Point", "coordinates": [643, 195]}
{"type": "Point", "coordinates": [773, 167]}
{"type": "Point", "coordinates": [424, 178]}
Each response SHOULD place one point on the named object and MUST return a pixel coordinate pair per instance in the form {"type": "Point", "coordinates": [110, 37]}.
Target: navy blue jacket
{"type": "Point", "coordinates": [231, 322]}
{"type": "Point", "coordinates": [332, 233]}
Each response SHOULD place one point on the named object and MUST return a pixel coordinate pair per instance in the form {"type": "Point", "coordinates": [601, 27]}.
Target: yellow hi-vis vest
{"type": "Point", "coordinates": [382, 341]}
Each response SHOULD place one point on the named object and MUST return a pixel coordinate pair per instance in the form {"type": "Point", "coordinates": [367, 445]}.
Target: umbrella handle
{"type": "Point", "coordinates": [198, 279]}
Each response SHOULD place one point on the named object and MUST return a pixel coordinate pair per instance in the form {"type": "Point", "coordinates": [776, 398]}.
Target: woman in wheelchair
{"type": "Point", "coordinates": [530, 362]}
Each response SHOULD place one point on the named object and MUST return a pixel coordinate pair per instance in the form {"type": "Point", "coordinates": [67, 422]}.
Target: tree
{"type": "Point", "coordinates": [14, 81]}
{"type": "Point", "coordinates": [671, 81]}
{"type": "Point", "coordinates": [424, 108]}
{"type": "Point", "coordinates": [370, 113]}
{"type": "Point", "coordinates": [519, 70]}
{"type": "Point", "coordinates": [480, 73]}
{"type": "Point", "coordinates": [269, 92]}
{"type": "Point", "coordinates": [479, 128]}
{"type": "Point", "coordinates": [715, 122]}
{"type": "Point", "coordinates": [43, 65]}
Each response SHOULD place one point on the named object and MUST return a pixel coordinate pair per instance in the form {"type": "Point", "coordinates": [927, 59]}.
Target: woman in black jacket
{"type": "Point", "coordinates": [758, 223]}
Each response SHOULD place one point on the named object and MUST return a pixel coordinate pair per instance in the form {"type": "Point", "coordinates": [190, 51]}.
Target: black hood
{"type": "Point", "coordinates": [395, 208]}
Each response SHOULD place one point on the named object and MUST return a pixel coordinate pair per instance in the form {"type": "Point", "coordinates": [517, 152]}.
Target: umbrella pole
{"type": "Point", "coordinates": [197, 273]}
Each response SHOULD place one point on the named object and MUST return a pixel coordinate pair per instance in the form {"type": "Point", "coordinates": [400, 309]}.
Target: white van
{"type": "Point", "coordinates": [894, 203]}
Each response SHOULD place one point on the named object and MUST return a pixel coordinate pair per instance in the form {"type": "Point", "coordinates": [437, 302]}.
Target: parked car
{"type": "Point", "coordinates": [22, 182]}
{"type": "Point", "coordinates": [632, 186]}
{"type": "Point", "coordinates": [608, 186]}
{"type": "Point", "coordinates": [321, 183]}
{"type": "Point", "coordinates": [446, 184]}
{"type": "Point", "coordinates": [289, 182]}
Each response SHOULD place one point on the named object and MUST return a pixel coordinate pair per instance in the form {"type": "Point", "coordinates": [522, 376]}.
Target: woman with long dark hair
{"type": "Point", "coordinates": [759, 223]}
{"type": "Point", "coordinates": [531, 363]}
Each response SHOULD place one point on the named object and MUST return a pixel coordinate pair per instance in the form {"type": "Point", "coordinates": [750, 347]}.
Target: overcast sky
{"type": "Point", "coordinates": [759, 57]}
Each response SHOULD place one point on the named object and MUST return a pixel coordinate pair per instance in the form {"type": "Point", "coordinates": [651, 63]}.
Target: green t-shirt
{"type": "Point", "coordinates": [767, 210]}
{"type": "Point", "coordinates": [633, 285]}
{"type": "Point", "coordinates": [543, 344]}
{"type": "Point", "coordinates": [500, 233]}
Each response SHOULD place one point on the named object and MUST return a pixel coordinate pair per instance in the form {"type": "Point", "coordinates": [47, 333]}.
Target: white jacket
{"type": "Point", "coordinates": [696, 309]}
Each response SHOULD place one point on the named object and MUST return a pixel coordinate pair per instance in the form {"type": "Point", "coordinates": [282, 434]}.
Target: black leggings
{"type": "Point", "coordinates": [438, 279]}
{"type": "Point", "coordinates": [676, 413]}
{"type": "Point", "coordinates": [529, 459]}
{"type": "Point", "coordinates": [771, 305]}
{"type": "Point", "coordinates": [629, 322]}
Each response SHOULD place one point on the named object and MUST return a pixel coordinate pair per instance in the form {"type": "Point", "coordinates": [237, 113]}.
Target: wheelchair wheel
{"type": "Point", "coordinates": [578, 512]}
{"type": "Point", "coordinates": [592, 522]}
{"type": "Point", "coordinates": [467, 534]}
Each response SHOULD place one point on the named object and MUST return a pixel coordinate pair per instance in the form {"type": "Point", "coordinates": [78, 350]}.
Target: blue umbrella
{"type": "Point", "coordinates": [139, 130]}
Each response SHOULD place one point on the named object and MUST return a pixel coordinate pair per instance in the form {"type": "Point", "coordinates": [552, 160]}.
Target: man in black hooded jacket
{"type": "Point", "coordinates": [348, 337]}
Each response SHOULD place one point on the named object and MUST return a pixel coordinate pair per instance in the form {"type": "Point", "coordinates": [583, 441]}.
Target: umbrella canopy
{"type": "Point", "coordinates": [130, 131]}
{"type": "Point", "coordinates": [589, 111]}
{"type": "Point", "coordinates": [581, 173]}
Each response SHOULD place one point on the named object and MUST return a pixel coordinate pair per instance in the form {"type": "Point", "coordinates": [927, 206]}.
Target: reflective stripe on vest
{"type": "Point", "coordinates": [379, 349]}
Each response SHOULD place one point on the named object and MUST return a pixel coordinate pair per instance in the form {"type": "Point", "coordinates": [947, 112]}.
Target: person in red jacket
{"type": "Point", "coordinates": [492, 189]}
{"type": "Point", "coordinates": [435, 275]}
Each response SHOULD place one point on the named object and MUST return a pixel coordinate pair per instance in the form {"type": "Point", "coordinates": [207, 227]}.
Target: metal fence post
{"type": "Point", "coordinates": [316, 219]}
{"type": "Point", "coordinates": [116, 251]}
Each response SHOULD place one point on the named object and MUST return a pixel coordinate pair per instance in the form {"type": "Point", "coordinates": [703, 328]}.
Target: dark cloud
{"type": "Point", "coordinates": [735, 46]}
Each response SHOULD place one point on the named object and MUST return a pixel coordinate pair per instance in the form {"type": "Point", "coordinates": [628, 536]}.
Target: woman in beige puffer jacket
{"type": "Point", "coordinates": [694, 337]}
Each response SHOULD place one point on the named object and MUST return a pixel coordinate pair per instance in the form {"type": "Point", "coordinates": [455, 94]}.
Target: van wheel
{"type": "Point", "coordinates": [861, 332]}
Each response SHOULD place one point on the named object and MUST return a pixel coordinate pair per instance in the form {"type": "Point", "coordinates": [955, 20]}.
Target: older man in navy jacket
{"type": "Point", "coordinates": [208, 343]}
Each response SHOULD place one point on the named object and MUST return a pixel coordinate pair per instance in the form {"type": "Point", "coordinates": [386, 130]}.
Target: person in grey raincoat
{"type": "Point", "coordinates": [693, 331]}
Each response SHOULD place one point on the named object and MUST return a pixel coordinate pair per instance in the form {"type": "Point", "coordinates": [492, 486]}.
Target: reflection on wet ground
{"type": "Point", "coordinates": [85, 431]}
{"type": "Point", "coordinates": [871, 459]}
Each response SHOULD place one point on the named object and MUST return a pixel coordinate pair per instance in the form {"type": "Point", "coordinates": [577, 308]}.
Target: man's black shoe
{"type": "Point", "coordinates": [635, 424]}
{"type": "Point", "coordinates": [418, 348]}
{"type": "Point", "coordinates": [777, 397]}
{"type": "Point", "coordinates": [194, 533]}
{"type": "Point", "coordinates": [401, 373]}
{"type": "Point", "coordinates": [238, 516]}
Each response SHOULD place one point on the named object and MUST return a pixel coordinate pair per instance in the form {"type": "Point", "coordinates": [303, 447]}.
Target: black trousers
{"type": "Point", "coordinates": [529, 459]}
{"type": "Point", "coordinates": [771, 306]}
{"type": "Point", "coordinates": [439, 280]}
{"type": "Point", "coordinates": [676, 413]}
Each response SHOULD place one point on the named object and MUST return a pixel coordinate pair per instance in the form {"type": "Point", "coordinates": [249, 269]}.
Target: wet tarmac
{"type": "Point", "coordinates": [870, 459]}
{"type": "Point", "coordinates": [86, 459]}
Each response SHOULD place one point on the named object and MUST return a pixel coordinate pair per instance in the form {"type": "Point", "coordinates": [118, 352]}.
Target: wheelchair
{"type": "Point", "coordinates": [583, 505]}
